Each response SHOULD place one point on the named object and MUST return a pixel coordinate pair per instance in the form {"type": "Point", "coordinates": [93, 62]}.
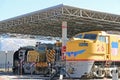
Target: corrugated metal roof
{"type": "Point", "coordinates": [47, 22]}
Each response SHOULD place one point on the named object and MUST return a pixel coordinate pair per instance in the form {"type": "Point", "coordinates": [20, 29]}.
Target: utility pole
{"type": "Point", "coordinates": [62, 62]}
{"type": "Point", "coordinates": [64, 39]}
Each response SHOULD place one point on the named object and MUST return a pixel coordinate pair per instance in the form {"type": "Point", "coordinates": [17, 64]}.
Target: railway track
{"type": "Point", "coordinates": [11, 76]}
{"type": "Point", "coordinates": [37, 77]}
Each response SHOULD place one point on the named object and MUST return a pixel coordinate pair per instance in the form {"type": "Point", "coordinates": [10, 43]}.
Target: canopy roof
{"type": "Point", "coordinates": [47, 22]}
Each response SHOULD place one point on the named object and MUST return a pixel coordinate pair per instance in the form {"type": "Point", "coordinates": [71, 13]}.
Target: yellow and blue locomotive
{"type": "Point", "coordinates": [94, 54]}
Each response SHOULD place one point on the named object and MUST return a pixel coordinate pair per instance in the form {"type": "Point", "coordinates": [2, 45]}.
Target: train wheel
{"type": "Point", "coordinates": [119, 71]}
{"type": "Point", "coordinates": [111, 72]}
{"type": "Point", "coordinates": [99, 72]}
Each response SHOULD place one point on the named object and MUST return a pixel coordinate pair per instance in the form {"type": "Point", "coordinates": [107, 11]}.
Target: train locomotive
{"type": "Point", "coordinates": [93, 54]}
{"type": "Point", "coordinates": [88, 54]}
{"type": "Point", "coordinates": [35, 59]}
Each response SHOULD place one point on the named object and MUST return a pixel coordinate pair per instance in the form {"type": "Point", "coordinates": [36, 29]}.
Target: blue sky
{"type": "Point", "coordinates": [13, 8]}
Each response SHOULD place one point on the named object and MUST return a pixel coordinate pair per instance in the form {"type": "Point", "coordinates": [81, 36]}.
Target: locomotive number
{"type": "Point", "coordinates": [100, 48]}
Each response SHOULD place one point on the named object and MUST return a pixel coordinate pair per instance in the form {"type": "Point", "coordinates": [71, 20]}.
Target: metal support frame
{"type": "Point", "coordinates": [60, 10]}
{"type": "Point", "coordinates": [53, 17]}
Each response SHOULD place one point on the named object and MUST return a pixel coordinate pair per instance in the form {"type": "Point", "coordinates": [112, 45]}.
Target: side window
{"type": "Point", "coordinates": [102, 38]}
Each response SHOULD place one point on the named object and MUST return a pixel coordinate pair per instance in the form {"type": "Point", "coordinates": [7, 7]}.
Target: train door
{"type": "Point", "coordinates": [103, 46]}
{"type": "Point", "coordinates": [106, 43]}
{"type": "Point", "coordinates": [22, 54]}
{"type": "Point", "coordinates": [108, 55]}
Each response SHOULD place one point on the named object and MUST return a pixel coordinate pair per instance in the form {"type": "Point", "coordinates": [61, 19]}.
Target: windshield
{"type": "Point", "coordinates": [90, 36]}
{"type": "Point", "coordinates": [78, 36]}
{"type": "Point", "coordinates": [41, 48]}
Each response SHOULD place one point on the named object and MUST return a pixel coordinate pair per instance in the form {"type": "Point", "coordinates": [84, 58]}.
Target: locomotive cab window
{"type": "Point", "coordinates": [78, 36]}
{"type": "Point", "coordinates": [41, 48]}
{"type": "Point", "coordinates": [90, 36]}
{"type": "Point", "coordinates": [102, 38]}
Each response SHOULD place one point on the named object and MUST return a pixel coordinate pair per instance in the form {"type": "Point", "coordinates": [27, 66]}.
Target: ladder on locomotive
{"type": "Point", "coordinates": [108, 60]}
